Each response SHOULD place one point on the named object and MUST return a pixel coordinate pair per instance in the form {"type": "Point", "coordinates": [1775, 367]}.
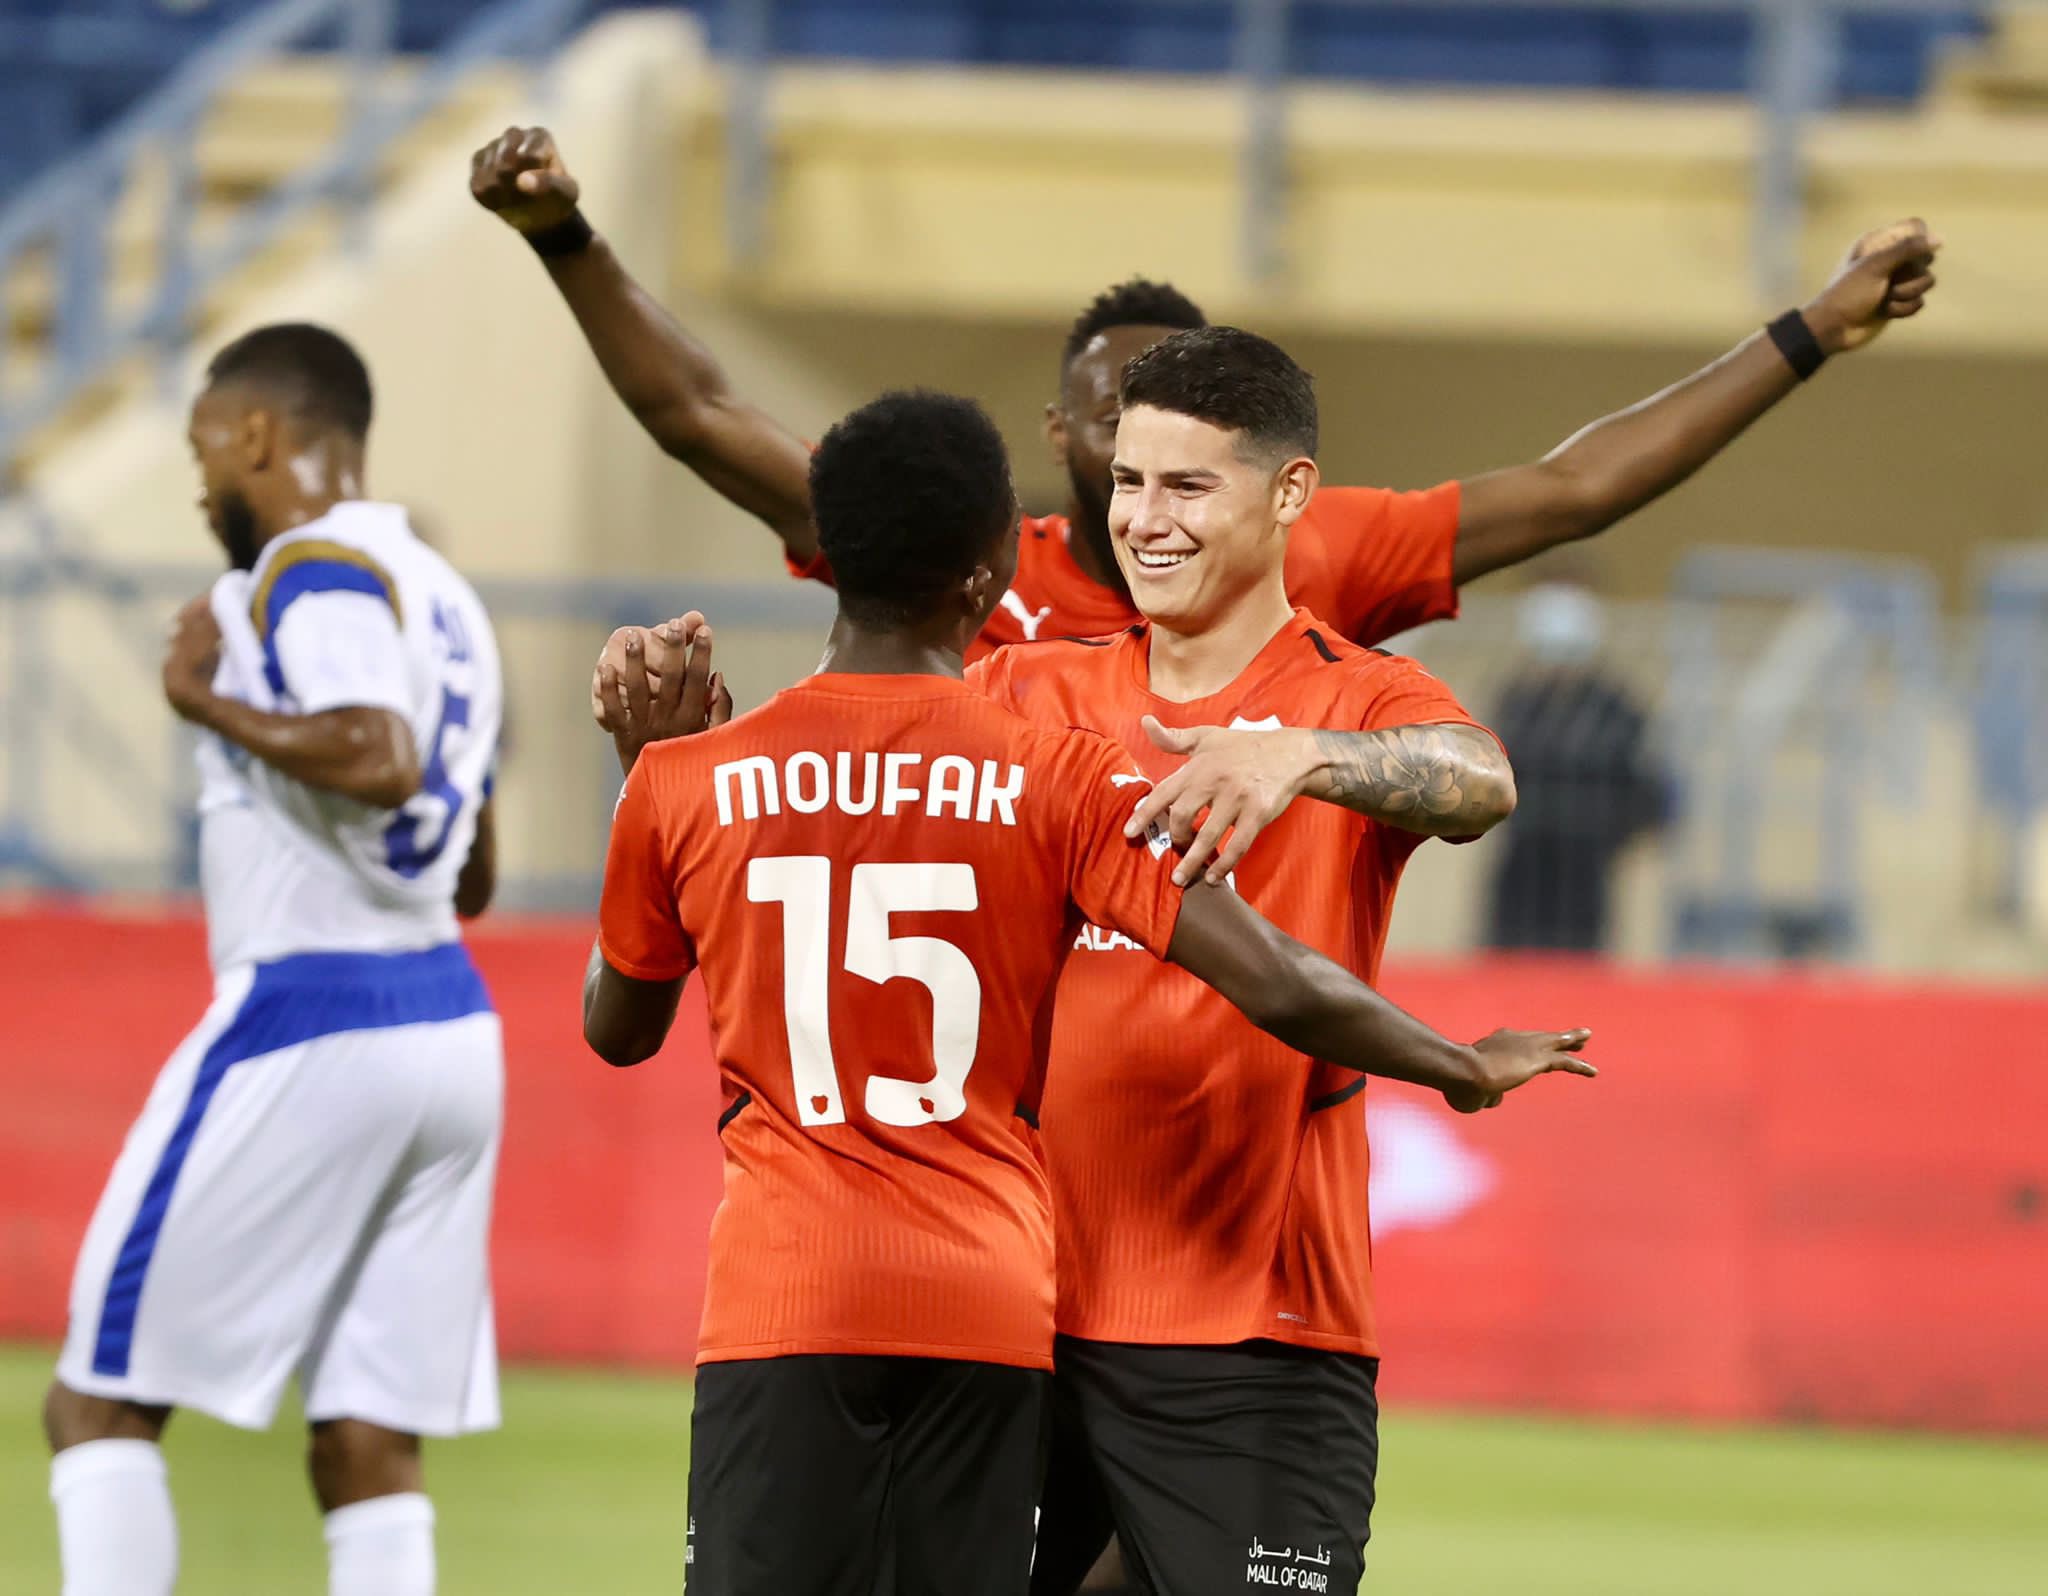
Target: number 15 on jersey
{"type": "Point", "coordinates": [802, 884]}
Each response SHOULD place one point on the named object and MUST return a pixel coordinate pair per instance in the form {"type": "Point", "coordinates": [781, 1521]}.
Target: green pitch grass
{"type": "Point", "coordinates": [583, 1491]}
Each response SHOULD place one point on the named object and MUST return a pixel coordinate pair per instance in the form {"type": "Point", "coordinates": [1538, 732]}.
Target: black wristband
{"type": "Point", "coordinates": [1795, 341]}
{"type": "Point", "coordinates": [566, 237]}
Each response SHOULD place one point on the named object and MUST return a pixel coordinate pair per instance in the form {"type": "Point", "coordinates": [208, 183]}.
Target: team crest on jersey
{"type": "Point", "coordinates": [1270, 723]}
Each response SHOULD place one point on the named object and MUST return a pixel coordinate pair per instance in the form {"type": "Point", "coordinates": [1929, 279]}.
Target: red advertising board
{"type": "Point", "coordinates": [1787, 1196]}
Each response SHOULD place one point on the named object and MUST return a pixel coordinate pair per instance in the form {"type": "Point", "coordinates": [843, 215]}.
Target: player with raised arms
{"type": "Point", "coordinates": [880, 874]}
{"type": "Point", "coordinates": [308, 1188]}
{"type": "Point", "coordinates": [1367, 561]}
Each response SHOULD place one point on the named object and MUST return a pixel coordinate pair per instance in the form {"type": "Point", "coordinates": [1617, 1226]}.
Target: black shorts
{"type": "Point", "coordinates": [839, 1475]}
{"type": "Point", "coordinates": [1220, 1469]}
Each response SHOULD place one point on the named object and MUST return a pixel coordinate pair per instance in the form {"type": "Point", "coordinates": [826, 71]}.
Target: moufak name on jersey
{"type": "Point", "coordinates": [868, 783]}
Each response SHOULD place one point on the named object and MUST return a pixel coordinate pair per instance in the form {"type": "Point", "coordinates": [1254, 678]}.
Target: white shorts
{"type": "Point", "coordinates": [308, 1188]}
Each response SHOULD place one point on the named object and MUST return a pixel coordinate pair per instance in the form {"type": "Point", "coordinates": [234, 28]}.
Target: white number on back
{"type": "Point", "coordinates": [802, 884]}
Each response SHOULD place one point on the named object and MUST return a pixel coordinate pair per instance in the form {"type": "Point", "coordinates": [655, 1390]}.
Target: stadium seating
{"type": "Point", "coordinates": [67, 67]}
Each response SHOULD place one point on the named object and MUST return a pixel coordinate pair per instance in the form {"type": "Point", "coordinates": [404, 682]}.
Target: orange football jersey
{"type": "Point", "coordinates": [879, 877]}
{"type": "Point", "coordinates": [1370, 561]}
{"type": "Point", "coordinates": [1209, 1182]}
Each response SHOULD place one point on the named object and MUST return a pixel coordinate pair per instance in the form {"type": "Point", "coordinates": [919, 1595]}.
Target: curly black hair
{"type": "Point", "coordinates": [314, 373]}
{"type": "Point", "coordinates": [910, 493]}
{"type": "Point", "coordinates": [1139, 302]}
{"type": "Point", "coordinates": [1232, 379]}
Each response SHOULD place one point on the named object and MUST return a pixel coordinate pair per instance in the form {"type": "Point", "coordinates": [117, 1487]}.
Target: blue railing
{"type": "Point", "coordinates": [1851, 672]}
{"type": "Point", "coordinates": [67, 214]}
{"type": "Point", "coordinates": [2009, 693]}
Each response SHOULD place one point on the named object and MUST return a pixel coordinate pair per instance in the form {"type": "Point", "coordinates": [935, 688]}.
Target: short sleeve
{"type": "Point", "coordinates": [1387, 557]}
{"type": "Point", "coordinates": [1124, 884]}
{"type": "Point", "coordinates": [336, 648]}
{"type": "Point", "coordinates": [639, 928]}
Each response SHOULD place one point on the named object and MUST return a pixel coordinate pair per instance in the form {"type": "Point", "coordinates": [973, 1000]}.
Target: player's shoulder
{"type": "Point", "coordinates": [344, 551]}
{"type": "Point", "coordinates": [1330, 660]}
{"type": "Point", "coordinates": [1061, 657]}
{"type": "Point", "coordinates": [1336, 507]}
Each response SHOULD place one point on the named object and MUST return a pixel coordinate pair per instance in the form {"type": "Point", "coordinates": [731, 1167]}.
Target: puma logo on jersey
{"type": "Point", "coordinates": [1025, 618]}
{"type": "Point", "coordinates": [1270, 723]}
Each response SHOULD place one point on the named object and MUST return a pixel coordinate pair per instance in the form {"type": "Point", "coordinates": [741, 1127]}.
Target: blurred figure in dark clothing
{"type": "Point", "coordinates": [1588, 780]}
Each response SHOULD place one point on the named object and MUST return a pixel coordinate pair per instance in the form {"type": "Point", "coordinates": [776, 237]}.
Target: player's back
{"type": "Point", "coordinates": [875, 875]}
{"type": "Point", "coordinates": [350, 611]}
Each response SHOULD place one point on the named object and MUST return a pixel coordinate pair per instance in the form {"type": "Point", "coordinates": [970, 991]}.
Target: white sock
{"type": "Point", "coordinates": [382, 1547]}
{"type": "Point", "coordinates": [115, 1527]}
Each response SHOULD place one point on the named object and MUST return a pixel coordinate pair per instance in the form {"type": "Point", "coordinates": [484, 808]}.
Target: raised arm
{"type": "Point", "coordinates": [1317, 1007]}
{"type": "Point", "coordinates": [1448, 780]}
{"type": "Point", "coordinates": [362, 753]}
{"type": "Point", "coordinates": [672, 384]}
{"type": "Point", "coordinates": [1621, 462]}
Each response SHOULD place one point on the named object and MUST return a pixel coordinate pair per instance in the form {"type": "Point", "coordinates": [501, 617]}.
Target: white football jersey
{"type": "Point", "coordinates": [351, 610]}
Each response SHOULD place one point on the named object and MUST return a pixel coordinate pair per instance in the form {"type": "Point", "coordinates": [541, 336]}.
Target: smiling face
{"type": "Point", "coordinates": [1197, 520]}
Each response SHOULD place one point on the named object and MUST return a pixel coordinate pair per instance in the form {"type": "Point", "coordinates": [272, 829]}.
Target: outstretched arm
{"type": "Point", "coordinates": [1437, 781]}
{"type": "Point", "coordinates": [673, 385]}
{"type": "Point", "coordinates": [1446, 780]}
{"type": "Point", "coordinates": [1317, 1007]}
{"type": "Point", "coordinates": [1620, 463]}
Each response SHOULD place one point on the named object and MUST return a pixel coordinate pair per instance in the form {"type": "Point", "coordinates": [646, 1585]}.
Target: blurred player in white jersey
{"type": "Point", "coordinates": [308, 1188]}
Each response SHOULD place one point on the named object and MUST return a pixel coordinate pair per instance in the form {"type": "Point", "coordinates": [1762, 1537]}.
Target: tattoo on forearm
{"type": "Point", "coordinates": [1441, 780]}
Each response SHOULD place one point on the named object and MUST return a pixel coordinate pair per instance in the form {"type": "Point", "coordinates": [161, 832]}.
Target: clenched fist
{"type": "Point", "coordinates": [1886, 277]}
{"type": "Point", "coordinates": [519, 176]}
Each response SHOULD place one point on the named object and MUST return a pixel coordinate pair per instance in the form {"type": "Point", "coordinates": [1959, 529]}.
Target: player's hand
{"type": "Point", "coordinates": [641, 705]}
{"type": "Point", "coordinates": [191, 655]}
{"type": "Point", "coordinates": [1515, 1058]}
{"type": "Point", "coordinates": [657, 648]}
{"type": "Point", "coordinates": [1886, 277]}
{"type": "Point", "coordinates": [520, 176]}
{"type": "Point", "coordinates": [1234, 785]}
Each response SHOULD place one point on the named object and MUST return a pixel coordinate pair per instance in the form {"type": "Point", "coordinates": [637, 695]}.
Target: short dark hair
{"type": "Point", "coordinates": [315, 373]}
{"type": "Point", "coordinates": [1233, 379]}
{"type": "Point", "coordinates": [1139, 302]}
{"type": "Point", "coordinates": [910, 493]}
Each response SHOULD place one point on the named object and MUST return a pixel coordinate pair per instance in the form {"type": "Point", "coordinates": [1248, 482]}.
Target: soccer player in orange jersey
{"type": "Point", "coordinates": [1218, 1353]}
{"type": "Point", "coordinates": [1368, 561]}
{"type": "Point", "coordinates": [880, 873]}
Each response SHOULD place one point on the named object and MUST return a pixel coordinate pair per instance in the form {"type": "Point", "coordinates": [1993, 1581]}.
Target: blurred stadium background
{"type": "Point", "coordinates": [1765, 1311]}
